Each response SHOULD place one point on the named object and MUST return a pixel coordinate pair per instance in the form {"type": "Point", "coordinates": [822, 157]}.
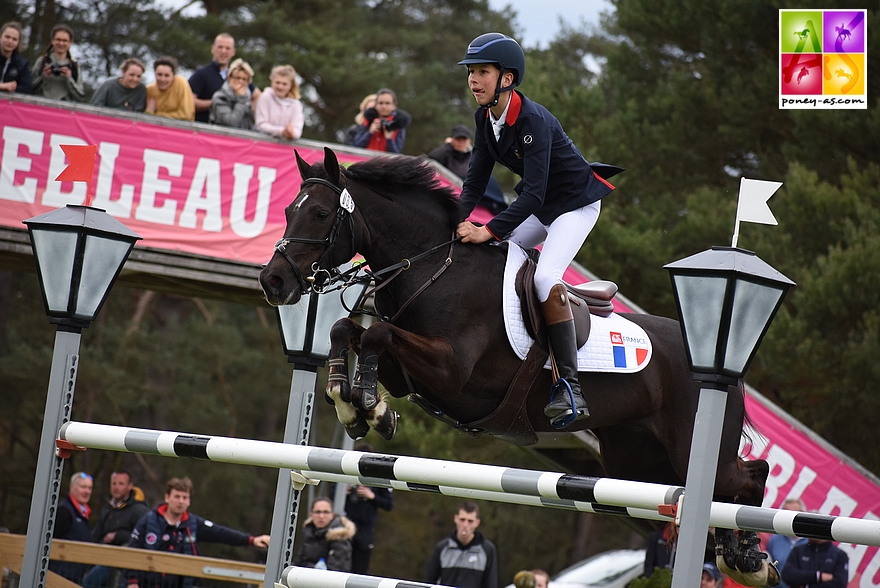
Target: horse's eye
{"type": "Point", "coordinates": [322, 215]}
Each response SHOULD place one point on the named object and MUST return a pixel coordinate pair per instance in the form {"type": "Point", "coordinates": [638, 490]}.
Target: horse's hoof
{"type": "Point", "coordinates": [766, 577]}
{"type": "Point", "coordinates": [387, 425]}
{"type": "Point", "coordinates": [357, 429]}
{"type": "Point", "coordinates": [749, 559]}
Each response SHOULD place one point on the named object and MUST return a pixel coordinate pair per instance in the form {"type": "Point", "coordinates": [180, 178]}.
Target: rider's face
{"type": "Point", "coordinates": [483, 80]}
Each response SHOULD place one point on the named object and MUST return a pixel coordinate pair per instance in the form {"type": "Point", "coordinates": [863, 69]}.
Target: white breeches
{"type": "Point", "coordinates": [562, 240]}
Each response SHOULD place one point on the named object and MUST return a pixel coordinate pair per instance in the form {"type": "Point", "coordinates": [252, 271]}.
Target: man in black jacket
{"type": "Point", "coordinates": [72, 523]}
{"type": "Point", "coordinates": [465, 559]}
{"type": "Point", "coordinates": [125, 507]}
{"type": "Point", "coordinates": [362, 506]}
{"type": "Point", "coordinates": [817, 564]}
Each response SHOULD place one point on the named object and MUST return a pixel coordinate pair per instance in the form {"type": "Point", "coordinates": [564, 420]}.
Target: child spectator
{"type": "Point", "coordinates": [56, 75]}
{"type": "Point", "coordinates": [279, 110]}
{"type": "Point", "coordinates": [15, 71]}
{"type": "Point", "coordinates": [170, 95]}
{"type": "Point", "coordinates": [369, 101]}
{"type": "Point", "coordinates": [125, 92]}
{"type": "Point", "coordinates": [384, 127]}
{"type": "Point", "coordinates": [231, 104]}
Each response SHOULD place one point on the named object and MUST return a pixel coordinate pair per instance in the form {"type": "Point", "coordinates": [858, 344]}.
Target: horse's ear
{"type": "Point", "coordinates": [331, 165]}
{"type": "Point", "coordinates": [305, 169]}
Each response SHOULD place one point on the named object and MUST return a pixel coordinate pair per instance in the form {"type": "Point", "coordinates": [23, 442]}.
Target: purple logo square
{"type": "Point", "coordinates": [844, 31]}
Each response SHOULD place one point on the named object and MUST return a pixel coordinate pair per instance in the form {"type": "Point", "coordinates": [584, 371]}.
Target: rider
{"type": "Point", "coordinates": [558, 197]}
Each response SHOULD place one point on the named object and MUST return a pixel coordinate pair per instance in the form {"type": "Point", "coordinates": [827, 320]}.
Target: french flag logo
{"type": "Point", "coordinates": [626, 355]}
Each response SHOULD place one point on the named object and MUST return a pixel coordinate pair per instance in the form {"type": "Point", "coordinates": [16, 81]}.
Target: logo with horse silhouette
{"type": "Point", "coordinates": [822, 58]}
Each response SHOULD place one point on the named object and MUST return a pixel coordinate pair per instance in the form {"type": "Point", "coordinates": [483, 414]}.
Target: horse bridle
{"type": "Point", "coordinates": [344, 211]}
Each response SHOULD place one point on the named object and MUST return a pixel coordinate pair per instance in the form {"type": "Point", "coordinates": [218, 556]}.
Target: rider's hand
{"type": "Point", "coordinates": [470, 233]}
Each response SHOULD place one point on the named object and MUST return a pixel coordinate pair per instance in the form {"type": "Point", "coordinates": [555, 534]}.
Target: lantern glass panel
{"type": "Point", "coordinates": [56, 251]}
{"type": "Point", "coordinates": [753, 305]}
{"type": "Point", "coordinates": [701, 302]}
{"type": "Point", "coordinates": [294, 318]}
{"type": "Point", "coordinates": [102, 259]}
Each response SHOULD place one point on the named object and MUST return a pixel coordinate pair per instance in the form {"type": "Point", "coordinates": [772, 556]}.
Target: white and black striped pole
{"type": "Point", "coordinates": [305, 335]}
{"type": "Point", "coordinates": [296, 577]}
{"type": "Point", "coordinates": [467, 480]}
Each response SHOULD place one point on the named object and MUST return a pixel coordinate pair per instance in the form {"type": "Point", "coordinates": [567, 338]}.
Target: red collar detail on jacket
{"type": "Point", "coordinates": [163, 508]}
{"type": "Point", "coordinates": [513, 110]}
{"type": "Point", "coordinates": [84, 509]}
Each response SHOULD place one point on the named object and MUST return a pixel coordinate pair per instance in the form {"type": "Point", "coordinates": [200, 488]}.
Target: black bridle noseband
{"type": "Point", "coordinates": [320, 276]}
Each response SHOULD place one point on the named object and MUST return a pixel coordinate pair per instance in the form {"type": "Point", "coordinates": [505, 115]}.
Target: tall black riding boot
{"type": "Point", "coordinates": [562, 339]}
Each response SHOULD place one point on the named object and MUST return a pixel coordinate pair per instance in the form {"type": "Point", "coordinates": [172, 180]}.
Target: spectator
{"type": "Point", "coordinates": [170, 95]}
{"type": "Point", "coordinates": [326, 536]}
{"type": "Point", "coordinates": [465, 559]}
{"type": "Point", "coordinates": [525, 579]}
{"type": "Point", "coordinates": [125, 507]}
{"type": "Point", "coordinates": [279, 111]}
{"type": "Point", "coordinates": [817, 564]}
{"type": "Point", "coordinates": [125, 92]}
{"type": "Point", "coordinates": [171, 527]}
{"type": "Point", "coordinates": [542, 578]}
{"type": "Point", "coordinates": [660, 550]}
{"type": "Point", "coordinates": [15, 71]}
{"type": "Point", "coordinates": [455, 155]}
{"type": "Point", "coordinates": [710, 577]}
{"type": "Point", "coordinates": [369, 101]}
{"type": "Point", "coordinates": [72, 522]}
{"type": "Point", "coordinates": [232, 105]}
{"type": "Point", "coordinates": [384, 127]}
{"type": "Point", "coordinates": [208, 79]}
{"type": "Point", "coordinates": [780, 546]}
{"type": "Point", "coordinates": [362, 504]}
{"type": "Point", "coordinates": [56, 75]}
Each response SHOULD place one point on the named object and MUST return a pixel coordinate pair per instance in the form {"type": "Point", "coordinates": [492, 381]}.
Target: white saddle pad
{"type": "Point", "coordinates": [615, 344]}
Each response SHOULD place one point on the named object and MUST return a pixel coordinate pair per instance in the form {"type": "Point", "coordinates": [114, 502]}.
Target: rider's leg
{"type": "Point", "coordinates": [565, 235]}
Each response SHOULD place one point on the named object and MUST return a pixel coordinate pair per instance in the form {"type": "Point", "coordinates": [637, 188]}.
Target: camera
{"type": "Point", "coordinates": [388, 124]}
{"type": "Point", "coordinates": [56, 69]}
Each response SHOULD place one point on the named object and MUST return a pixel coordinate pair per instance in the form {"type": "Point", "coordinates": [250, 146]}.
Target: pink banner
{"type": "Point", "coordinates": [180, 189]}
{"type": "Point", "coordinates": [804, 466]}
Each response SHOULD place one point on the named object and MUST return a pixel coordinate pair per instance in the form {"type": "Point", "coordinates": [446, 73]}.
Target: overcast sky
{"type": "Point", "coordinates": [539, 19]}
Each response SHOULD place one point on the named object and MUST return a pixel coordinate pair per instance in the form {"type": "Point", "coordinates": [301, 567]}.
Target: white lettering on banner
{"type": "Point", "coordinates": [206, 180]}
{"type": "Point", "coordinates": [805, 477]}
{"type": "Point", "coordinates": [781, 465]}
{"type": "Point", "coordinates": [147, 211]}
{"type": "Point", "coordinates": [120, 208]}
{"type": "Point", "coordinates": [53, 196]}
{"type": "Point", "coordinates": [838, 503]}
{"type": "Point", "coordinates": [237, 222]}
{"type": "Point", "coordinates": [13, 139]}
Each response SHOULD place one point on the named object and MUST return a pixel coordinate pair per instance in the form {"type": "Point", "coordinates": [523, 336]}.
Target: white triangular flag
{"type": "Point", "coordinates": [752, 206]}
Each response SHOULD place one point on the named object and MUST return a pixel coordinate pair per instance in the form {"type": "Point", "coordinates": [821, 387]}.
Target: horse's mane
{"type": "Point", "coordinates": [413, 175]}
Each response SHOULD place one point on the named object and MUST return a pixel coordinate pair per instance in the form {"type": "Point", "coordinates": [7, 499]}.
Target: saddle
{"type": "Point", "coordinates": [510, 421]}
{"type": "Point", "coordinates": [586, 299]}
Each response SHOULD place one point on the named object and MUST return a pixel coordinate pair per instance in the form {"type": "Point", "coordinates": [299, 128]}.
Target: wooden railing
{"type": "Point", "coordinates": [12, 552]}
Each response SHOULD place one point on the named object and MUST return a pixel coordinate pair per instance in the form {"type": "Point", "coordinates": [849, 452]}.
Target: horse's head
{"type": "Point", "coordinates": [312, 242]}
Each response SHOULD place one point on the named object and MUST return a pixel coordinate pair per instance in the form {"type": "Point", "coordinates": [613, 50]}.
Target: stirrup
{"type": "Point", "coordinates": [570, 415]}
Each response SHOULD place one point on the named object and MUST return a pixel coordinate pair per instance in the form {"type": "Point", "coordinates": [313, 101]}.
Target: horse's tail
{"type": "Point", "coordinates": [748, 425]}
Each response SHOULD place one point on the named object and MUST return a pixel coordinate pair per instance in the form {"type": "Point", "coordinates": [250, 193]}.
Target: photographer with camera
{"type": "Point", "coordinates": [384, 127]}
{"type": "Point", "coordinates": [56, 75]}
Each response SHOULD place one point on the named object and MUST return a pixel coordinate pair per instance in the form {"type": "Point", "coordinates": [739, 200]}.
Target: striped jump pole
{"type": "Point", "coordinates": [294, 576]}
{"type": "Point", "coordinates": [476, 481]}
{"type": "Point", "coordinates": [414, 470]}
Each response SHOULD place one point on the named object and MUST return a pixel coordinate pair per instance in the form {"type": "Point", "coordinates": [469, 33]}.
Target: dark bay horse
{"type": "Point", "coordinates": [446, 340]}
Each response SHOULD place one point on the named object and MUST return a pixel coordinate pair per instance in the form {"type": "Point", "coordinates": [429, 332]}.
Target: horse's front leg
{"type": "Point", "coordinates": [344, 336]}
{"type": "Point", "coordinates": [429, 360]}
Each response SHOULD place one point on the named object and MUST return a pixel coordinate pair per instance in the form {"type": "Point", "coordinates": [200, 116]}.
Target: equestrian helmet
{"type": "Point", "coordinates": [500, 50]}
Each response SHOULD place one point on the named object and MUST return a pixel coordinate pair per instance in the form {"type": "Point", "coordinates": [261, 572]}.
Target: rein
{"type": "Point", "coordinates": [349, 277]}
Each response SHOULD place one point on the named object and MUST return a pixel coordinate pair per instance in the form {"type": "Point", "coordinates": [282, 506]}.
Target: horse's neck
{"type": "Point", "coordinates": [396, 233]}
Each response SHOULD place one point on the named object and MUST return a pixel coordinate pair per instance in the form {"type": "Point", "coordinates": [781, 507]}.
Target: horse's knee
{"type": "Point", "coordinates": [375, 339]}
